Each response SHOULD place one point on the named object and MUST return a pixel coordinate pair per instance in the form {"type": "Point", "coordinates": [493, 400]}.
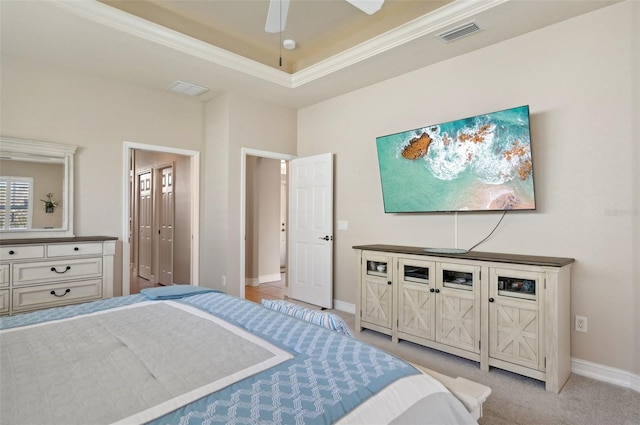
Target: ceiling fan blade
{"type": "Point", "coordinates": [277, 16]}
{"type": "Point", "coordinates": [367, 6]}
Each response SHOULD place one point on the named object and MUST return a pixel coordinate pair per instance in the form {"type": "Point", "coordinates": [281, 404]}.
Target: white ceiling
{"type": "Point", "coordinates": [94, 38]}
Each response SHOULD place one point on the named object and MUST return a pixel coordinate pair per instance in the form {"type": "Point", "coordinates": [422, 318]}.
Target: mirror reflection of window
{"type": "Point", "coordinates": [16, 202]}
{"type": "Point", "coordinates": [50, 168]}
{"type": "Point", "coordinates": [24, 209]}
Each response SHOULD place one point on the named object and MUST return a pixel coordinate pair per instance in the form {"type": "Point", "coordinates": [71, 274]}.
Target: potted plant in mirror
{"type": "Point", "coordinates": [49, 203]}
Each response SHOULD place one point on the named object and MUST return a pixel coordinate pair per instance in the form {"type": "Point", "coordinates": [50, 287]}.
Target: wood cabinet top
{"type": "Point", "coordinates": [35, 241]}
{"type": "Point", "coordinates": [536, 260]}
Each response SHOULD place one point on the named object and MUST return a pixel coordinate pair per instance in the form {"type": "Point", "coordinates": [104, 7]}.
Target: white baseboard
{"type": "Point", "coordinates": [265, 278]}
{"type": "Point", "coordinates": [251, 281]}
{"type": "Point", "coordinates": [604, 373]}
{"type": "Point", "coordinates": [343, 306]}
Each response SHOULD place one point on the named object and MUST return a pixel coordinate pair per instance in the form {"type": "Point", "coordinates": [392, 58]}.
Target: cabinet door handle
{"type": "Point", "coordinates": [388, 282]}
{"type": "Point", "coordinates": [491, 300]}
{"type": "Point", "coordinates": [53, 269]}
{"type": "Point", "coordinates": [432, 290]}
{"type": "Point", "coordinates": [65, 293]}
{"type": "Point", "coordinates": [437, 291]}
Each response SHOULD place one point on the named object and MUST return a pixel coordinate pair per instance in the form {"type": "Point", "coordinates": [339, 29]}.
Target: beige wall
{"type": "Point", "coordinates": [214, 205]}
{"type": "Point", "coordinates": [40, 102]}
{"type": "Point", "coordinates": [580, 79]}
{"type": "Point", "coordinates": [234, 122]}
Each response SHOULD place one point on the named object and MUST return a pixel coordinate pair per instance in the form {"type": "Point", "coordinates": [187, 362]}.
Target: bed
{"type": "Point", "coordinates": [203, 357]}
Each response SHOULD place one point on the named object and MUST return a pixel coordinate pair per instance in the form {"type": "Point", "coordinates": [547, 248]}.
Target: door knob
{"type": "Point", "coordinates": [326, 238]}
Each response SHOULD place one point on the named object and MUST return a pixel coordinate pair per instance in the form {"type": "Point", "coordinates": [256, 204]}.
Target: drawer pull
{"type": "Point", "coordinates": [76, 248]}
{"type": "Point", "coordinates": [65, 293]}
{"type": "Point", "coordinates": [12, 252]}
{"type": "Point", "coordinates": [53, 269]}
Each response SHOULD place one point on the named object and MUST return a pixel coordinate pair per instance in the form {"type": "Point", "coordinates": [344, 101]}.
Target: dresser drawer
{"type": "Point", "coordinates": [4, 275]}
{"type": "Point", "coordinates": [55, 271]}
{"type": "Point", "coordinates": [4, 301]}
{"type": "Point", "coordinates": [74, 249]}
{"type": "Point", "coordinates": [43, 296]}
{"type": "Point", "coordinates": [21, 252]}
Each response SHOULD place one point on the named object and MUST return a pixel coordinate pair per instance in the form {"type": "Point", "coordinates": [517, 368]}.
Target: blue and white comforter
{"type": "Point", "coordinates": [328, 377]}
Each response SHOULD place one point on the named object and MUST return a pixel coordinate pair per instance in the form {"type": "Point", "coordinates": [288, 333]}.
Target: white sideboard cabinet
{"type": "Point", "coordinates": [501, 310]}
{"type": "Point", "coordinates": [51, 272]}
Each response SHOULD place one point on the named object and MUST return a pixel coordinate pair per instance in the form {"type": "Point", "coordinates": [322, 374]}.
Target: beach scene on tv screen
{"type": "Point", "coordinates": [478, 163]}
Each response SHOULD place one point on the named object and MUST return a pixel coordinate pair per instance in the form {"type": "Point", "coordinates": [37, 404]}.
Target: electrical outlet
{"type": "Point", "coordinates": [581, 324]}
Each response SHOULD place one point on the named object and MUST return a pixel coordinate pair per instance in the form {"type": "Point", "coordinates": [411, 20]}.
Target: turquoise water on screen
{"type": "Point", "coordinates": [478, 163]}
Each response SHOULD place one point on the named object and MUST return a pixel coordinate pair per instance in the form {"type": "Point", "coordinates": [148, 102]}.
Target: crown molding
{"type": "Point", "coordinates": [133, 25]}
{"type": "Point", "coordinates": [437, 20]}
{"type": "Point", "coordinates": [434, 21]}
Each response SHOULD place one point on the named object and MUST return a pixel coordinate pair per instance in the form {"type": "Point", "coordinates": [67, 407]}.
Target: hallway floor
{"type": "Point", "coordinates": [270, 291]}
{"type": "Point", "coordinates": [136, 284]}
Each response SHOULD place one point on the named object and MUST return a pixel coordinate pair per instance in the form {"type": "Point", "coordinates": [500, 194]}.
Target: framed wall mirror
{"type": "Point", "coordinates": [36, 189]}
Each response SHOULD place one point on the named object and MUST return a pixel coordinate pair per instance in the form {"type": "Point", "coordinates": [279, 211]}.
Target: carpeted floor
{"type": "Point", "coordinates": [516, 399]}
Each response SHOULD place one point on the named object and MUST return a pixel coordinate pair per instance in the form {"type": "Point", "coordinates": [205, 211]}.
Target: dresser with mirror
{"type": "Point", "coordinates": [42, 262]}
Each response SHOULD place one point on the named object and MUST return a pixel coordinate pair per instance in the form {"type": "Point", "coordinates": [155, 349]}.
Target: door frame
{"type": "Point", "coordinates": [128, 147]}
{"type": "Point", "coordinates": [243, 202]}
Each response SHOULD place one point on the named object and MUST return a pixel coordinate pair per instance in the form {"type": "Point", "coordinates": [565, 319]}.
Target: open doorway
{"type": "Point", "coordinates": [161, 215]}
{"type": "Point", "coordinates": [263, 256]}
{"type": "Point", "coordinates": [265, 227]}
{"type": "Point", "coordinates": [309, 228]}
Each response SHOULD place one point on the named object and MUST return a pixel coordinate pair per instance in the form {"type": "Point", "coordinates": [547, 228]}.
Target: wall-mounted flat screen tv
{"type": "Point", "coordinates": [481, 163]}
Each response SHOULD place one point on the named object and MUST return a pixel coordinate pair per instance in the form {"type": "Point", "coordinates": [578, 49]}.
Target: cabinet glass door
{"type": "Point", "coordinates": [377, 267]}
{"type": "Point", "coordinates": [417, 273]}
{"type": "Point", "coordinates": [457, 279]}
{"type": "Point", "coordinates": [509, 286]}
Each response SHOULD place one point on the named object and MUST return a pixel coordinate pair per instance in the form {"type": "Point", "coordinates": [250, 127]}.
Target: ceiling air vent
{"type": "Point", "coordinates": [461, 31]}
{"type": "Point", "coordinates": [187, 88]}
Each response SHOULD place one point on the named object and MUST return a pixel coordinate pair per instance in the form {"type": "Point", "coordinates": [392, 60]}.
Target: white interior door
{"type": "Point", "coordinates": [145, 221]}
{"type": "Point", "coordinates": [166, 226]}
{"type": "Point", "coordinates": [311, 230]}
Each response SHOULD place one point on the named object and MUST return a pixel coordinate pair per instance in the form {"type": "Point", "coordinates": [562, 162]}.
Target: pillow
{"type": "Point", "coordinates": [321, 318]}
{"type": "Point", "coordinates": [174, 291]}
